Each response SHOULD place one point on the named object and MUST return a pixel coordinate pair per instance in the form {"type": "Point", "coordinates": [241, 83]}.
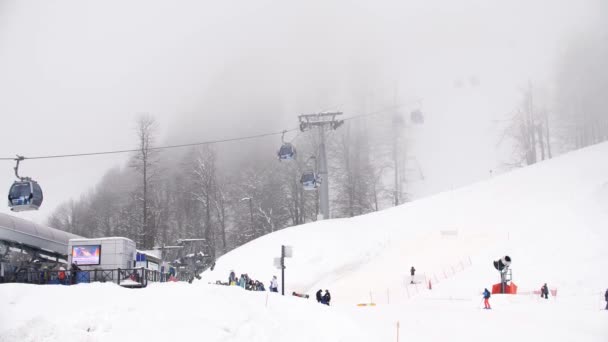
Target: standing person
{"type": "Point", "coordinates": [606, 298]}
{"type": "Point", "coordinates": [326, 298]}
{"type": "Point", "coordinates": [274, 284]}
{"type": "Point", "coordinates": [61, 275]}
{"type": "Point", "coordinates": [412, 272]}
{"type": "Point", "coordinates": [486, 299]}
{"type": "Point", "coordinates": [232, 278]}
{"type": "Point", "coordinates": [544, 291]}
{"type": "Point", "coordinates": [73, 271]}
{"type": "Point", "coordinates": [320, 295]}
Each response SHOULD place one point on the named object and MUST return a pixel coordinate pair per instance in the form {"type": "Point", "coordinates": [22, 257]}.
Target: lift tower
{"type": "Point", "coordinates": [322, 121]}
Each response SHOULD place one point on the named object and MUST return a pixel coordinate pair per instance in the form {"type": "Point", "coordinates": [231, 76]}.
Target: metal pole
{"type": "Point", "coordinates": [251, 214]}
{"type": "Point", "coordinates": [395, 157]}
{"type": "Point", "coordinates": [282, 270]}
{"type": "Point", "coordinates": [324, 191]}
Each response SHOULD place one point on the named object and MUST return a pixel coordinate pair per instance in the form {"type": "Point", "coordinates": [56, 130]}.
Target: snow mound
{"type": "Point", "coordinates": [165, 312]}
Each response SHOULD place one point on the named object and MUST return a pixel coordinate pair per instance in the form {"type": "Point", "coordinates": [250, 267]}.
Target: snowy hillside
{"type": "Point", "coordinates": [550, 218]}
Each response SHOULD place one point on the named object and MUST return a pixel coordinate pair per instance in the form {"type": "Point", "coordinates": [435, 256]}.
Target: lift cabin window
{"type": "Point", "coordinates": [86, 255]}
{"type": "Point", "coordinates": [19, 190]}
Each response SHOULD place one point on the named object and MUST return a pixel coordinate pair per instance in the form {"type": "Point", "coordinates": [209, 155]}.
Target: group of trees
{"type": "Point", "coordinates": [571, 114]}
{"type": "Point", "coordinates": [227, 196]}
{"type": "Point", "coordinates": [582, 92]}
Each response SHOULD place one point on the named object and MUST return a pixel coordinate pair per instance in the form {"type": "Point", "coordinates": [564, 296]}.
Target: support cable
{"type": "Point", "coordinates": [209, 142]}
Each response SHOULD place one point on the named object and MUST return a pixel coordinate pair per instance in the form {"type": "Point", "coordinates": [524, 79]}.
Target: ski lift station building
{"type": "Point", "coordinates": [29, 247]}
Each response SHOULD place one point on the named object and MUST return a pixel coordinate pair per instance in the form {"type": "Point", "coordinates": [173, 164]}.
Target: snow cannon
{"type": "Point", "coordinates": [503, 263]}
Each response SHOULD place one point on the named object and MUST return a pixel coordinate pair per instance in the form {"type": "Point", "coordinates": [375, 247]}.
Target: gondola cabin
{"type": "Point", "coordinates": [25, 195]}
{"type": "Point", "coordinates": [309, 181]}
{"type": "Point", "coordinates": [287, 152]}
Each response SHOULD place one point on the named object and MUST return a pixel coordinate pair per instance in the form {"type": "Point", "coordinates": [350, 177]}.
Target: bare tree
{"type": "Point", "coordinates": [144, 162]}
{"type": "Point", "coordinates": [528, 130]}
{"type": "Point", "coordinates": [206, 192]}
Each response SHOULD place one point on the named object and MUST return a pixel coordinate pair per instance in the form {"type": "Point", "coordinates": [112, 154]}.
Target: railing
{"type": "Point", "coordinates": [128, 277]}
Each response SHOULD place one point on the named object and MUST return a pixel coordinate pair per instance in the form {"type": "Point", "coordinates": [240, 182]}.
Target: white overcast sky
{"type": "Point", "coordinates": [74, 74]}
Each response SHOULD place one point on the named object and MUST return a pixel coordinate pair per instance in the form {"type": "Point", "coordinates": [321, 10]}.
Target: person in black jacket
{"type": "Point", "coordinates": [326, 298]}
{"type": "Point", "coordinates": [544, 291]}
{"type": "Point", "coordinates": [606, 298]}
{"type": "Point", "coordinates": [319, 296]}
{"type": "Point", "coordinates": [73, 271]}
{"type": "Point", "coordinates": [412, 271]}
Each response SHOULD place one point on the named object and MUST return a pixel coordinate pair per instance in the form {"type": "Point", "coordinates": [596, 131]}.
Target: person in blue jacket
{"type": "Point", "coordinates": [486, 299]}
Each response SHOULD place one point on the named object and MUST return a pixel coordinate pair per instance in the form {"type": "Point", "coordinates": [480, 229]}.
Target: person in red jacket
{"type": "Point", "coordinates": [61, 275]}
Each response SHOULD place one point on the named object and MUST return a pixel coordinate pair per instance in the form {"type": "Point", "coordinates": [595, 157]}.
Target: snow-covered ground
{"type": "Point", "coordinates": [550, 218]}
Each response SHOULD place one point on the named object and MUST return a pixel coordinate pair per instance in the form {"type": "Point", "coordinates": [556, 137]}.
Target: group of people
{"type": "Point", "coordinates": [249, 284]}
{"type": "Point", "coordinates": [544, 293]}
{"type": "Point", "coordinates": [62, 274]}
{"type": "Point", "coordinates": [323, 298]}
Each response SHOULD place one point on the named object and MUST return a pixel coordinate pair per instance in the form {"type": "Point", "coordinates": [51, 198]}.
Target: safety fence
{"type": "Point", "coordinates": [413, 286]}
{"type": "Point", "coordinates": [447, 272]}
{"type": "Point", "coordinates": [127, 277]}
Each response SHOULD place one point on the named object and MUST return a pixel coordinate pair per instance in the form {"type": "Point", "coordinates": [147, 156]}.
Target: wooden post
{"type": "Point", "coordinates": [397, 331]}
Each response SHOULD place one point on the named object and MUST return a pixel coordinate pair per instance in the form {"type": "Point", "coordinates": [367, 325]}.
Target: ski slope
{"type": "Point", "coordinates": [551, 218]}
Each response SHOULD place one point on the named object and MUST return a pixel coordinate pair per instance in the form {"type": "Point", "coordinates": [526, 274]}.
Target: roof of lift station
{"type": "Point", "coordinates": [18, 230]}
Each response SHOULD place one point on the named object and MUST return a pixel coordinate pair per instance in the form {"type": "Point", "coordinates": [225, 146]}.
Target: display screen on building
{"type": "Point", "coordinates": [86, 255]}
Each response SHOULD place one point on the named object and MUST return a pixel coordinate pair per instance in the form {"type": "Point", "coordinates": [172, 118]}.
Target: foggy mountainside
{"type": "Point", "coordinates": [496, 87]}
{"type": "Point", "coordinates": [204, 191]}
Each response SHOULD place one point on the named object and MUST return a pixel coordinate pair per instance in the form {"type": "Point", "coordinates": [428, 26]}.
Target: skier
{"type": "Point", "coordinates": [544, 291]}
{"type": "Point", "coordinates": [486, 298]}
{"type": "Point", "coordinates": [326, 298]}
{"type": "Point", "coordinates": [412, 271]}
{"type": "Point", "coordinates": [320, 296]}
{"type": "Point", "coordinates": [606, 298]}
{"type": "Point", "coordinates": [274, 285]}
